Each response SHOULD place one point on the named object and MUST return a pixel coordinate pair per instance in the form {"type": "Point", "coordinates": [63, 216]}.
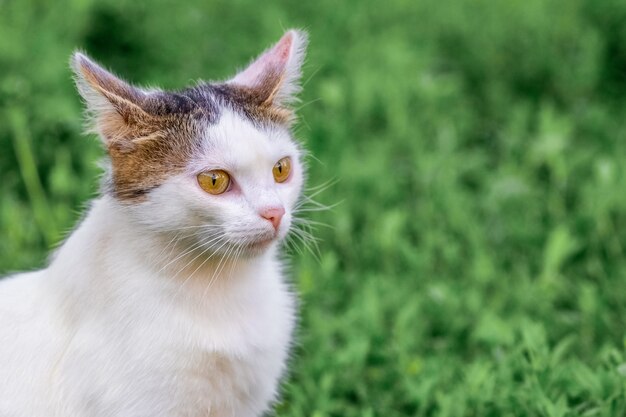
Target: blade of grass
{"type": "Point", "coordinates": [28, 169]}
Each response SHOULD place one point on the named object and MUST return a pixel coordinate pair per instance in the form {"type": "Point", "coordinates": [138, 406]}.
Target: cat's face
{"type": "Point", "coordinates": [214, 165]}
{"type": "Point", "coordinates": [251, 208]}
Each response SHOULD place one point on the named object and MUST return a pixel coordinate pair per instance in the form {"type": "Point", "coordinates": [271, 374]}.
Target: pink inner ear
{"type": "Point", "coordinates": [274, 60]}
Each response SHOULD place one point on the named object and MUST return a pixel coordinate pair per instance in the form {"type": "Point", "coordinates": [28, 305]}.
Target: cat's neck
{"type": "Point", "coordinates": [110, 247]}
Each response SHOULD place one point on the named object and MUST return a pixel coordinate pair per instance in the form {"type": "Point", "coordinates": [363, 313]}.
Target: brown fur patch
{"type": "Point", "coordinates": [148, 158]}
{"type": "Point", "coordinates": [255, 103]}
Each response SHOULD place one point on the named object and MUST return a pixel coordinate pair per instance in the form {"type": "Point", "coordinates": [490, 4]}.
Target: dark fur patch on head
{"type": "Point", "coordinates": [252, 103]}
{"type": "Point", "coordinates": [144, 162]}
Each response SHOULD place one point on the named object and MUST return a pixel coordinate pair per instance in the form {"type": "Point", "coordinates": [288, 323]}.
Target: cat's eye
{"type": "Point", "coordinates": [282, 169]}
{"type": "Point", "coordinates": [214, 182]}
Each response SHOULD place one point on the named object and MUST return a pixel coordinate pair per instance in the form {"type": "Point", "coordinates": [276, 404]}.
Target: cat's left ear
{"type": "Point", "coordinates": [274, 76]}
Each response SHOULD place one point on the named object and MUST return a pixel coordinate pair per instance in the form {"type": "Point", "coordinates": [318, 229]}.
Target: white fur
{"type": "Point", "coordinates": [124, 323]}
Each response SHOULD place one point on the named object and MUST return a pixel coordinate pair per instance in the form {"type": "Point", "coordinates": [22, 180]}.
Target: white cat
{"type": "Point", "coordinates": [169, 298]}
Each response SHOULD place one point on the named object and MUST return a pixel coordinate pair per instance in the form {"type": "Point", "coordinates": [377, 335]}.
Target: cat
{"type": "Point", "coordinates": [169, 298]}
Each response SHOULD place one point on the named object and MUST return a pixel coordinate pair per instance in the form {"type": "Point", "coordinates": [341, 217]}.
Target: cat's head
{"type": "Point", "coordinates": [215, 162]}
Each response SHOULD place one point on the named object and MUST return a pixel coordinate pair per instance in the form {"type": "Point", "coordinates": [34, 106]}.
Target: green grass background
{"type": "Point", "coordinates": [476, 263]}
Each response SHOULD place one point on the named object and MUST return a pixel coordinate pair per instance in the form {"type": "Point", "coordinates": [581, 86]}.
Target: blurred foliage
{"type": "Point", "coordinates": [475, 265]}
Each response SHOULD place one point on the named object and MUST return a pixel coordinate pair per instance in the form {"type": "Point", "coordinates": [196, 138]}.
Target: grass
{"type": "Point", "coordinates": [475, 265]}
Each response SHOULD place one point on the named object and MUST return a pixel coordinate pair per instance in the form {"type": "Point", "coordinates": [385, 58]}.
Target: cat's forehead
{"type": "Point", "coordinates": [234, 141]}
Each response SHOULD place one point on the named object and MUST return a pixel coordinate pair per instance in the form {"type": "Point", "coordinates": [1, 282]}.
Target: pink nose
{"type": "Point", "coordinates": [273, 214]}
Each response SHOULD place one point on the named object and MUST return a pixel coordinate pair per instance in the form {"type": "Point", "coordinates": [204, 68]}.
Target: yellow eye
{"type": "Point", "coordinates": [214, 182]}
{"type": "Point", "coordinates": [282, 169]}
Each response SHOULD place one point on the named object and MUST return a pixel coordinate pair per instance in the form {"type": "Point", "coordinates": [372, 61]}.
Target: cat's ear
{"type": "Point", "coordinates": [115, 106]}
{"type": "Point", "coordinates": [275, 75]}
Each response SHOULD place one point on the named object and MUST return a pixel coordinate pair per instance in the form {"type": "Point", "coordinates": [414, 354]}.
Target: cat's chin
{"type": "Point", "coordinates": [259, 247]}
{"type": "Point", "coordinates": [262, 244]}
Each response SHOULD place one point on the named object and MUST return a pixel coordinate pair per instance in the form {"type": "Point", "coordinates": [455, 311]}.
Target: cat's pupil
{"type": "Point", "coordinates": [280, 168]}
{"type": "Point", "coordinates": [214, 179]}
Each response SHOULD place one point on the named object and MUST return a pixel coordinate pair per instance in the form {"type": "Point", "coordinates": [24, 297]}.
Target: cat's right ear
{"type": "Point", "coordinates": [274, 76]}
{"type": "Point", "coordinates": [115, 107]}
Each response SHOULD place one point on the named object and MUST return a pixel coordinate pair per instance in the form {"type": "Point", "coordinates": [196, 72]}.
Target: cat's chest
{"type": "Point", "coordinates": [242, 329]}
{"type": "Point", "coordinates": [242, 322]}
{"type": "Point", "coordinates": [204, 384]}
{"type": "Point", "coordinates": [224, 358]}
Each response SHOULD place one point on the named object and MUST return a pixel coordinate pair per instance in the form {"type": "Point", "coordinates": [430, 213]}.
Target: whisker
{"type": "Point", "coordinates": [323, 186]}
{"type": "Point", "coordinates": [306, 238]}
{"type": "Point", "coordinates": [292, 244]}
{"type": "Point", "coordinates": [318, 207]}
{"type": "Point", "coordinates": [303, 105]}
{"type": "Point", "coordinates": [236, 258]}
{"type": "Point", "coordinates": [180, 287]}
{"type": "Point", "coordinates": [212, 242]}
{"type": "Point", "coordinates": [310, 223]}
{"type": "Point", "coordinates": [216, 272]}
{"type": "Point", "coordinates": [168, 244]}
{"type": "Point", "coordinates": [311, 76]}
{"type": "Point", "coordinates": [201, 265]}
{"type": "Point", "coordinates": [186, 252]}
